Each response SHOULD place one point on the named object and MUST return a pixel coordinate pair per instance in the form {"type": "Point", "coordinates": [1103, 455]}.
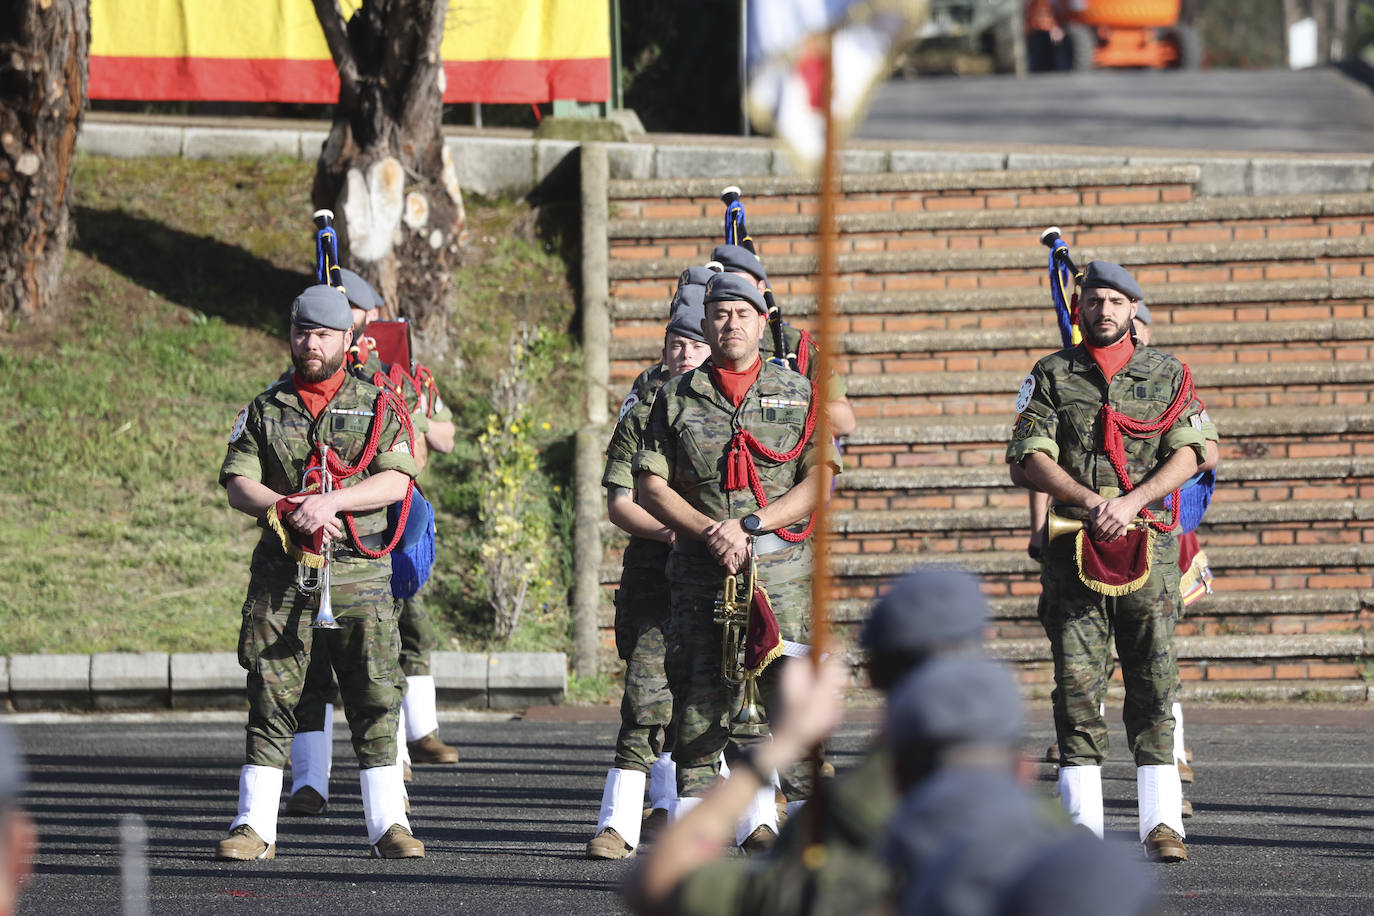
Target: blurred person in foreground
{"type": "Point", "coordinates": [828, 860]}
{"type": "Point", "coordinates": [18, 838]}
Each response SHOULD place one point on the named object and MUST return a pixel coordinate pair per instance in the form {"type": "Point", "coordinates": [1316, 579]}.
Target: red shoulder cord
{"type": "Point", "coordinates": [1113, 422]}
{"type": "Point", "coordinates": [804, 351]}
{"type": "Point", "coordinates": [386, 400]}
{"type": "Point", "coordinates": [741, 470]}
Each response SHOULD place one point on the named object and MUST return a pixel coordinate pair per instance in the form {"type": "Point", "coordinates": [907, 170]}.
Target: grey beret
{"type": "Point", "coordinates": [687, 318]}
{"type": "Point", "coordinates": [739, 258]}
{"type": "Point", "coordinates": [955, 700]}
{"type": "Point", "coordinates": [693, 295]}
{"type": "Point", "coordinates": [321, 307]}
{"type": "Point", "coordinates": [1142, 311]}
{"type": "Point", "coordinates": [1101, 274]}
{"type": "Point", "coordinates": [928, 609]}
{"type": "Point", "coordinates": [731, 288]}
{"type": "Point", "coordinates": [360, 293]}
{"type": "Point", "coordinates": [11, 768]}
{"type": "Point", "coordinates": [695, 276]}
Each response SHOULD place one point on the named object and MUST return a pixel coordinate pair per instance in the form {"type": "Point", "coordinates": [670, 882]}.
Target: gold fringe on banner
{"type": "Point", "coordinates": [1104, 588]}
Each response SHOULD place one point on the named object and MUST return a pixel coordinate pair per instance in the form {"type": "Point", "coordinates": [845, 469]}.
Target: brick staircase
{"type": "Point", "coordinates": [943, 308]}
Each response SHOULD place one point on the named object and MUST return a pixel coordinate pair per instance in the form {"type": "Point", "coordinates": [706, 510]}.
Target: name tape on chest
{"type": "Point", "coordinates": [240, 422]}
{"type": "Point", "coordinates": [1023, 397]}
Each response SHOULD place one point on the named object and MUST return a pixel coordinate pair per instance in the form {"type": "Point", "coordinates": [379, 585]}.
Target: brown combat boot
{"type": "Point", "coordinates": [407, 774]}
{"type": "Point", "coordinates": [1164, 845]}
{"type": "Point", "coordinates": [609, 845]}
{"type": "Point", "coordinates": [243, 843]}
{"type": "Point", "coordinates": [306, 803]}
{"type": "Point", "coordinates": [760, 841]}
{"type": "Point", "coordinates": [430, 749]}
{"type": "Point", "coordinates": [1187, 808]}
{"type": "Point", "coordinates": [1052, 753]}
{"type": "Point", "coordinates": [1185, 772]}
{"type": "Point", "coordinates": [653, 825]}
{"type": "Point", "coordinates": [398, 843]}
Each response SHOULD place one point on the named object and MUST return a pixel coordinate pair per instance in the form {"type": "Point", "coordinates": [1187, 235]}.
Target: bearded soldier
{"type": "Point", "coordinates": [1108, 430]}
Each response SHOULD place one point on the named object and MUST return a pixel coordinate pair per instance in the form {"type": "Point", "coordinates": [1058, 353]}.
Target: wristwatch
{"type": "Point", "coordinates": [751, 523]}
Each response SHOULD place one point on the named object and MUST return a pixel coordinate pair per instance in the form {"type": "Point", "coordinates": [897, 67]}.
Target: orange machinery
{"type": "Point", "coordinates": [1120, 33]}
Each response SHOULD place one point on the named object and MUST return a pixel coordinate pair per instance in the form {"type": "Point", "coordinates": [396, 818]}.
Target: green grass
{"type": "Point", "coordinates": [115, 409]}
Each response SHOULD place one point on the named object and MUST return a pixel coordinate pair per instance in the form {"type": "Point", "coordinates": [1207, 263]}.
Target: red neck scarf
{"type": "Point", "coordinates": [735, 385]}
{"type": "Point", "coordinates": [317, 394]}
{"type": "Point", "coordinates": [1113, 359]}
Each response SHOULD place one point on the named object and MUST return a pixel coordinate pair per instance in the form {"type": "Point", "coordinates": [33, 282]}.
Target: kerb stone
{"type": "Point", "coordinates": [120, 680]}
{"type": "Point", "coordinates": [312, 144]}
{"type": "Point", "coordinates": [207, 679]}
{"type": "Point", "coordinates": [1308, 176]}
{"type": "Point", "coordinates": [460, 679]}
{"type": "Point", "coordinates": [517, 679]}
{"type": "Point", "coordinates": [228, 143]}
{"type": "Point", "coordinates": [4, 682]}
{"type": "Point", "coordinates": [630, 160]}
{"type": "Point", "coordinates": [1062, 161]}
{"type": "Point", "coordinates": [50, 681]}
{"type": "Point", "coordinates": [1217, 177]}
{"type": "Point", "coordinates": [725, 163]}
{"type": "Point", "coordinates": [945, 161]}
{"type": "Point", "coordinates": [492, 165]}
{"type": "Point", "coordinates": [129, 141]}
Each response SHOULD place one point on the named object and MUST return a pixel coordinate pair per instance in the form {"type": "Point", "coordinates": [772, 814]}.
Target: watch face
{"type": "Point", "coordinates": [750, 523]}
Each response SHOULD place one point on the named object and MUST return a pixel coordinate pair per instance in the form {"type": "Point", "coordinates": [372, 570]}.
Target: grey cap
{"type": "Point", "coordinates": [730, 288]}
{"type": "Point", "coordinates": [360, 293]}
{"type": "Point", "coordinates": [739, 258]}
{"type": "Point", "coordinates": [928, 609]}
{"type": "Point", "coordinates": [695, 276]}
{"type": "Point", "coordinates": [321, 307]}
{"type": "Point", "coordinates": [693, 295]}
{"type": "Point", "coordinates": [1081, 874]}
{"type": "Point", "coordinates": [687, 319]}
{"type": "Point", "coordinates": [11, 768]}
{"type": "Point", "coordinates": [1142, 311]}
{"type": "Point", "coordinates": [955, 700]}
{"type": "Point", "coordinates": [1101, 274]}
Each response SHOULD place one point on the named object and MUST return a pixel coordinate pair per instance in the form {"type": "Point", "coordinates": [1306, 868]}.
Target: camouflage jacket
{"type": "Point", "coordinates": [275, 436]}
{"type": "Point", "coordinates": [1059, 414]}
{"type": "Point", "coordinates": [791, 337]}
{"type": "Point", "coordinates": [691, 425]}
{"type": "Point", "coordinates": [626, 440]}
{"type": "Point", "coordinates": [367, 371]}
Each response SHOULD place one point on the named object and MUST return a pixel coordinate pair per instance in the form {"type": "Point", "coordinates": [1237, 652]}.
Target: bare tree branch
{"type": "Point", "coordinates": [336, 36]}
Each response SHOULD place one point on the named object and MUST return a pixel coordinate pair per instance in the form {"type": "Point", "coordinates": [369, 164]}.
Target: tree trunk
{"type": "Point", "coordinates": [385, 171]}
{"type": "Point", "coordinates": [44, 48]}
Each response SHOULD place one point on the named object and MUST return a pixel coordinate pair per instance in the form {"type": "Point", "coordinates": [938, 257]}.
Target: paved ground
{"type": "Point", "coordinates": [1271, 110]}
{"type": "Point", "coordinates": [1285, 818]}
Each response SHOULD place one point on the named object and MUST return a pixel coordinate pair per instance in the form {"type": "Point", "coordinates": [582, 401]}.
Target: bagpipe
{"type": "Point", "coordinates": [410, 522]}
{"type": "Point", "coordinates": [737, 233]}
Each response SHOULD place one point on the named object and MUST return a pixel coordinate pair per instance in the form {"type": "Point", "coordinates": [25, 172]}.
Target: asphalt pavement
{"type": "Point", "coordinates": [1284, 798]}
{"type": "Point", "coordinates": [1319, 110]}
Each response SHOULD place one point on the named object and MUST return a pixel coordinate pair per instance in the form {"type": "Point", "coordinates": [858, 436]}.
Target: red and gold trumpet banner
{"type": "Point", "coordinates": [495, 51]}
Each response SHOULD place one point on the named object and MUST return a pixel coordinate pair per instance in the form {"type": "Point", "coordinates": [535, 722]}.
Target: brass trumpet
{"type": "Point", "coordinates": [732, 613]}
{"type": "Point", "coordinates": [311, 580]}
{"type": "Point", "coordinates": [1057, 525]}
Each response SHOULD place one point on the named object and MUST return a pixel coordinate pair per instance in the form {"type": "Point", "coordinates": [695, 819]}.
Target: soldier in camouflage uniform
{"type": "Point", "coordinates": [1058, 441]}
{"type": "Point", "coordinates": [642, 606]}
{"type": "Point", "coordinates": [263, 471]}
{"type": "Point", "coordinates": [417, 736]}
{"type": "Point", "coordinates": [689, 477]}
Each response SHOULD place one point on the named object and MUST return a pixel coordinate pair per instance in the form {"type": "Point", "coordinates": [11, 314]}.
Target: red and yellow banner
{"type": "Point", "coordinates": [494, 51]}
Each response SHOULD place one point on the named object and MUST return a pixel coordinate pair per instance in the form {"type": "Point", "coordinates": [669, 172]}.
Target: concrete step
{"type": "Point", "coordinates": [995, 475]}
{"type": "Point", "coordinates": [1235, 423]}
{"type": "Point", "coordinates": [1204, 219]}
{"type": "Point", "coordinates": [1220, 648]}
{"type": "Point", "coordinates": [954, 308]}
{"type": "Point", "coordinates": [983, 349]}
{"type": "Point", "coordinates": [699, 198]}
{"type": "Point", "coordinates": [1024, 267]}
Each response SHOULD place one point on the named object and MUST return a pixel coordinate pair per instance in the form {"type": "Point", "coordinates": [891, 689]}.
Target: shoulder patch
{"type": "Point", "coordinates": [1197, 422]}
{"type": "Point", "coordinates": [1023, 397]}
{"type": "Point", "coordinates": [240, 422]}
{"type": "Point", "coordinates": [1021, 429]}
{"type": "Point", "coordinates": [630, 401]}
{"type": "Point", "coordinates": [401, 446]}
{"type": "Point", "coordinates": [1204, 416]}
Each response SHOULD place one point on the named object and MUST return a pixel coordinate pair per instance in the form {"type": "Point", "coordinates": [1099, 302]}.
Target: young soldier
{"type": "Point", "coordinates": [729, 464]}
{"type": "Point", "coordinates": [641, 610]}
{"type": "Point", "coordinates": [274, 440]}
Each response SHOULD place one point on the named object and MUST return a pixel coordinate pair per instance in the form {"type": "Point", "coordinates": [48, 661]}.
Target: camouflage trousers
{"type": "Point", "coordinates": [642, 610]}
{"type": "Point", "coordinates": [418, 635]}
{"type": "Point", "coordinates": [704, 703]}
{"type": "Point", "coordinates": [278, 647]}
{"type": "Point", "coordinates": [1080, 624]}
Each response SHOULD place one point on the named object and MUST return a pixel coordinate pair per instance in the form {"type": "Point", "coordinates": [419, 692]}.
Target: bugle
{"type": "Point", "coordinates": [1057, 525]}
{"type": "Point", "coordinates": [732, 613]}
